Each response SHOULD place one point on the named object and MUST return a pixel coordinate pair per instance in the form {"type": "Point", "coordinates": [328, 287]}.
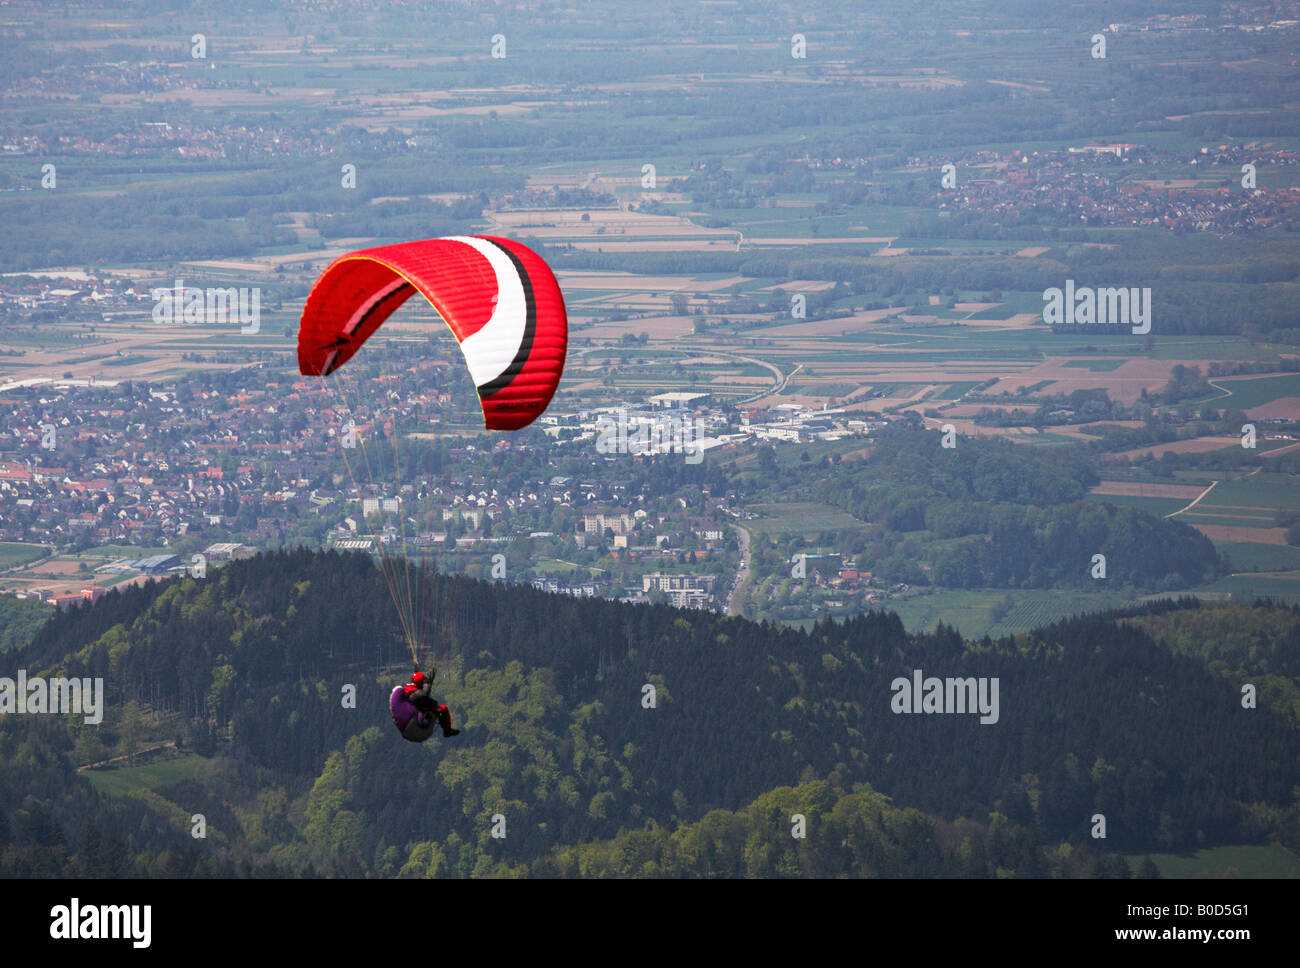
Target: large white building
{"type": "Point", "coordinates": [677, 398]}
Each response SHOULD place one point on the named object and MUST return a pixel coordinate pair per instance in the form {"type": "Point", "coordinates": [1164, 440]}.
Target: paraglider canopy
{"type": "Point", "coordinates": [504, 306]}
{"type": "Point", "coordinates": [499, 299]}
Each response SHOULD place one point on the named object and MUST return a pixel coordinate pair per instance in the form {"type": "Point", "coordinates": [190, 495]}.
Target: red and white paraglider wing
{"type": "Point", "coordinates": [498, 297]}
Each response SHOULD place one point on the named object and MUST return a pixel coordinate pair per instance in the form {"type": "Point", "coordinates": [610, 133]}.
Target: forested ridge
{"type": "Point", "coordinates": [246, 670]}
{"type": "Point", "coordinates": [1002, 516]}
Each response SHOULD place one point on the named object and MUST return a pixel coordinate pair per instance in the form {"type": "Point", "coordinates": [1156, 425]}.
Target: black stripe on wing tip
{"type": "Point", "coordinates": [530, 329]}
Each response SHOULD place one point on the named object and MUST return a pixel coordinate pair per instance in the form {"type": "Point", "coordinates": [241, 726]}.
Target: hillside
{"type": "Point", "coordinates": [247, 670]}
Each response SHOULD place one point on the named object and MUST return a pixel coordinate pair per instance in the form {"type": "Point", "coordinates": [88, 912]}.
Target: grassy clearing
{"type": "Point", "coordinates": [13, 553]}
{"type": "Point", "coordinates": [131, 779]}
{"type": "Point", "coordinates": [801, 518]}
{"type": "Point", "coordinates": [974, 612]}
{"type": "Point", "coordinates": [1241, 861]}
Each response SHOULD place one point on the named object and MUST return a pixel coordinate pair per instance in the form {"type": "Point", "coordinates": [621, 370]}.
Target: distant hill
{"type": "Point", "coordinates": [247, 670]}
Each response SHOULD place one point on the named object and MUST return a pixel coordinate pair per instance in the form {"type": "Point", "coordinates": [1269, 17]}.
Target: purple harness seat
{"type": "Point", "coordinates": [410, 722]}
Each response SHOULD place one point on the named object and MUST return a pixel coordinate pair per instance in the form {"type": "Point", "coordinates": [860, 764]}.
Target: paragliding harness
{"type": "Point", "coordinates": [416, 692]}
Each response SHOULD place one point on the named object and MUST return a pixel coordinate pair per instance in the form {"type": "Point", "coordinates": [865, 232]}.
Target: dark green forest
{"type": "Point", "coordinates": [246, 671]}
{"type": "Point", "coordinates": [994, 515]}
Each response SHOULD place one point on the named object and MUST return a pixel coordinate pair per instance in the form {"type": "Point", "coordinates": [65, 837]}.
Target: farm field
{"type": "Point", "coordinates": [1283, 586]}
{"type": "Point", "coordinates": [1152, 505]}
{"type": "Point", "coordinates": [1248, 394]}
{"type": "Point", "coordinates": [1184, 492]}
{"type": "Point", "coordinates": [1205, 513]}
{"type": "Point", "coordinates": [1262, 490]}
{"type": "Point", "coordinates": [1252, 557]}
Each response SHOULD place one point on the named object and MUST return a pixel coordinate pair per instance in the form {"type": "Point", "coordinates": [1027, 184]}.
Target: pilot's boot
{"type": "Point", "coordinates": [444, 719]}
